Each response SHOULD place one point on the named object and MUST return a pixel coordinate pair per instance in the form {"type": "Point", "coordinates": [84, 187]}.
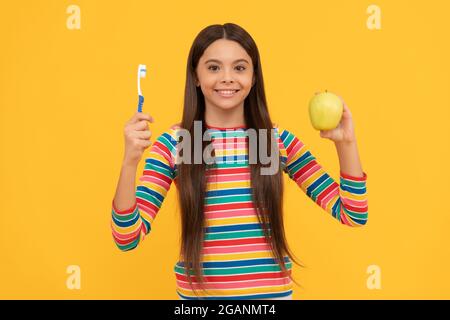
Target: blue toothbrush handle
{"type": "Point", "coordinates": [140, 103]}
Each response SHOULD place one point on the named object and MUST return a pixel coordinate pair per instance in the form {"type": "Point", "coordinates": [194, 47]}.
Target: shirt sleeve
{"type": "Point", "coordinates": [130, 226]}
{"type": "Point", "coordinates": [346, 201]}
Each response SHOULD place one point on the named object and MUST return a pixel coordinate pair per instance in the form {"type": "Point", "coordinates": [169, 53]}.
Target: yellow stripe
{"type": "Point", "coordinates": [331, 203]}
{"type": "Point", "coordinates": [230, 152]}
{"type": "Point", "coordinates": [232, 292]}
{"type": "Point", "coordinates": [127, 230]}
{"type": "Point", "coordinates": [312, 178]}
{"type": "Point", "coordinates": [146, 216]}
{"type": "Point", "coordinates": [298, 154]}
{"type": "Point", "coordinates": [155, 187]}
{"type": "Point", "coordinates": [158, 156]}
{"type": "Point", "coordinates": [237, 256]}
{"type": "Point", "coordinates": [353, 196]}
{"type": "Point", "coordinates": [232, 221]}
{"type": "Point", "coordinates": [225, 185]}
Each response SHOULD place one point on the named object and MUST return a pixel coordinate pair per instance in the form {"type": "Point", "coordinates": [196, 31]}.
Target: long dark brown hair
{"type": "Point", "coordinates": [267, 190]}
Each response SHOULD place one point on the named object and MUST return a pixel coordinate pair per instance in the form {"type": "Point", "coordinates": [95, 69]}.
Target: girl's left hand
{"type": "Point", "coordinates": [344, 132]}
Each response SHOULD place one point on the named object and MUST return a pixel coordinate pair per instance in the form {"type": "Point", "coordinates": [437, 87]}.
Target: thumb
{"type": "Point", "coordinates": [324, 134]}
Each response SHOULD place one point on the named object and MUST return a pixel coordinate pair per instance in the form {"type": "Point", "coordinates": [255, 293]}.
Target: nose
{"type": "Point", "coordinates": [227, 77]}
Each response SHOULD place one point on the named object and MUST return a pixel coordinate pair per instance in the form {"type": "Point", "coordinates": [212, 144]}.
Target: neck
{"type": "Point", "coordinates": [218, 117]}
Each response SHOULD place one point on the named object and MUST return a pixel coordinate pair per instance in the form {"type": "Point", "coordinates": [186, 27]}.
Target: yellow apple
{"type": "Point", "coordinates": [325, 111]}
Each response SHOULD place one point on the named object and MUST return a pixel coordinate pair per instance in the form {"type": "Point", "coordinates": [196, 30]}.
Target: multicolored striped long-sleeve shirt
{"type": "Point", "coordinates": [237, 261]}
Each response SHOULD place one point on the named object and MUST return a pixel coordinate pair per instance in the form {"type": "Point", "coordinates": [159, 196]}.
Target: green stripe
{"type": "Point", "coordinates": [288, 140]}
{"type": "Point", "coordinates": [322, 187]}
{"type": "Point", "coordinates": [231, 165]}
{"type": "Point", "coordinates": [228, 134]}
{"type": "Point", "coordinates": [300, 165]}
{"type": "Point", "coordinates": [234, 235]}
{"type": "Point", "coordinates": [338, 213]}
{"type": "Point", "coordinates": [241, 270]}
{"type": "Point", "coordinates": [352, 183]}
{"type": "Point", "coordinates": [166, 142]}
{"type": "Point", "coordinates": [126, 217]}
{"type": "Point", "coordinates": [163, 171]}
{"type": "Point", "coordinates": [148, 197]}
{"type": "Point", "coordinates": [356, 215]}
{"type": "Point", "coordinates": [228, 199]}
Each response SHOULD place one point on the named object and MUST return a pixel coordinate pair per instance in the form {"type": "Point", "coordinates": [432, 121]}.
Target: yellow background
{"type": "Point", "coordinates": [66, 94]}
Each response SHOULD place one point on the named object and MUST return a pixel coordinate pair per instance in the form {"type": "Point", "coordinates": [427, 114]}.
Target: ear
{"type": "Point", "coordinates": [197, 83]}
{"type": "Point", "coordinates": [253, 81]}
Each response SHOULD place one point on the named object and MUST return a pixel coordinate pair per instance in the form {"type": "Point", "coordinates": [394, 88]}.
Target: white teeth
{"type": "Point", "coordinates": [226, 92]}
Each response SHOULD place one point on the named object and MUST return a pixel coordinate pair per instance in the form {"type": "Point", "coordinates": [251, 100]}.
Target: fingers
{"type": "Point", "coordinates": [323, 134]}
{"type": "Point", "coordinates": [144, 143]}
{"type": "Point", "coordinates": [139, 116]}
{"type": "Point", "coordinates": [140, 126]}
{"type": "Point", "coordinates": [145, 135]}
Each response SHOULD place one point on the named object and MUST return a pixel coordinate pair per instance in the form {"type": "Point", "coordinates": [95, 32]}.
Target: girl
{"type": "Point", "coordinates": [233, 244]}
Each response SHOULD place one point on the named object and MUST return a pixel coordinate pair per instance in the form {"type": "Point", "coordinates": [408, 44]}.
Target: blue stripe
{"type": "Point", "coordinates": [231, 158]}
{"type": "Point", "coordinates": [284, 135]}
{"type": "Point", "coordinates": [124, 224]}
{"type": "Point", "coordinates": [240, 263]}
{"type": "Point", "coordinates": [228, 192]}
{"type": "Point", "coordinates": [335, 207]}
{"type": "Point", "coordinates": [303, 157]}
{"type": "Point", "coordinates": [171, 139]}
{"type": "Point", "coordinates": [353, 190]}
{"type": "Point", "coordinates": [237, 227]}
{"type": "Point", "coordinates": [158, 163]}
{"type": "Point", "coordinates": [359, 221]}
{"type": "Point", "coordinates": [151, 192]}
{"type": "Point", "coordinates": [311, 188]}
{"type": "Point", "coordinates": [254, 296]}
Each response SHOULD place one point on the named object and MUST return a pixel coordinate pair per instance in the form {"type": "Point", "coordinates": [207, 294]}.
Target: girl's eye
{"type": "Point", "coordinates": [242, 68]}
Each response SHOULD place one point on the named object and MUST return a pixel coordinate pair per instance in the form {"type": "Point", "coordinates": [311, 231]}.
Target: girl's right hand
{"type": "Point", "coordinates": [137, 137]}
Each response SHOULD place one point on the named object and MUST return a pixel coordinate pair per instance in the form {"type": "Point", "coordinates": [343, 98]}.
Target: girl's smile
{"type": "Point", "coordinates": [227, 93]}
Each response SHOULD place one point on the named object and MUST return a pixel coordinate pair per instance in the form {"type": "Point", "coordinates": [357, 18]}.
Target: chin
{"type": "Point", "coordinates": [227, 105]}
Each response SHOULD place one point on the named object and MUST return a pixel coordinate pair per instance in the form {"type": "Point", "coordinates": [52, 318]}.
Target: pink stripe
{"type": "Point", "coordinates": [309, 173]}
{"type": "Point", "coordinates": [236, 284]}
{"type": "Point", "coordinates": [237, 249]}
{"type": "Point", "coordinates": [158, 151]}
{"type": "Point", "coordinates": [328, 198]}
{"type": "Point", "coordinates": [354, 203]}
{"type": "Point", "coordinates": [146, 209]}
{"type": "Point", "coordinates": [229, 213]}
{"type": "Point", "coordinates": [155, 181]}
{"type": "Point", "coordinates": [127, 236]}
{"type": "Point", "coordinates": [298, 146]}
{"type": "Point", "coordinates": [232, 177]}
{"type": "Point", "coordinates": [231, 145]}
{"type": "Point", "coordinates": [228, 139]}
{"type": "Point", "coordinates": [344, 218]}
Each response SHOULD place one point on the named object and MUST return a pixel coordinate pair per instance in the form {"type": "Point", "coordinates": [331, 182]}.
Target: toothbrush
{"type": "Point", "coordinates": [142, 71]}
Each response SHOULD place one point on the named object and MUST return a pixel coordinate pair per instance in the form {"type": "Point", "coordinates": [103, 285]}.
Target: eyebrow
{"type": "Point", "coordinates": [218, 61]}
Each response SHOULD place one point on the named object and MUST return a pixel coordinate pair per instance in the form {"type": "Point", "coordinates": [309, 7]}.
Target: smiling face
{"type": "Point", "coordinates": [225, 75]}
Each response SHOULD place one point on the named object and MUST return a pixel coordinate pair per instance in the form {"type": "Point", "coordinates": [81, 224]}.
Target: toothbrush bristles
{"type": "Point", "coordinates": [142, 70]}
